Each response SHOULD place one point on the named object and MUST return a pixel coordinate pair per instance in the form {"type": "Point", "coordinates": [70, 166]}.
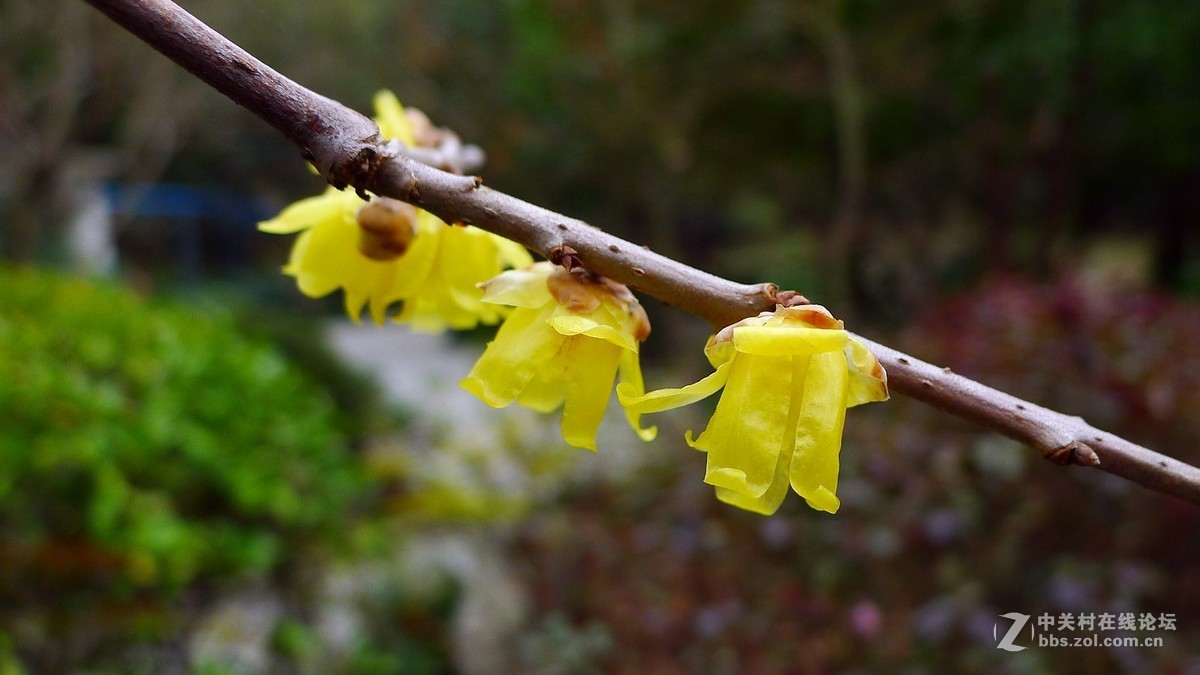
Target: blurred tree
{"type": "Point", "coordinates": [76, 108]}
{"type": "Point", "coordinates": [919, 144]}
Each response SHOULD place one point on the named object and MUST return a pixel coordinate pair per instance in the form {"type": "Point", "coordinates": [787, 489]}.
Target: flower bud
{"type": "Point", "coordinates": [386, 228]}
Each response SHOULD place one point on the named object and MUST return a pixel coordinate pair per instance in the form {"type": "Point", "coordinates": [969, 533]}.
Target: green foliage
{"type": "Point", "coordinates": [409, 629]}
{"type": "Point", "coordinates": [299, 338]}
{"type": "Point", "coordinates": [147, 445]}
{"type": "Point", "coordinates": [9, 665]}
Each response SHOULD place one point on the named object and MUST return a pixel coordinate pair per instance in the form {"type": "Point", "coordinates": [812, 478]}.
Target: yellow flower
{"type": "Point", "coordinates": [789, 376]}
{"type": "Point", "coordinates": [563, 345]}
{"type": "Point", "coordinates": [385, 251]}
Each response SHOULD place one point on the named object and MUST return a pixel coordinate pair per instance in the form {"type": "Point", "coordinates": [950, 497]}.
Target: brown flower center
{"type": "Point", "coordinates": [583, 294]}
{"type": "Point", "coordinates": [386, 228]}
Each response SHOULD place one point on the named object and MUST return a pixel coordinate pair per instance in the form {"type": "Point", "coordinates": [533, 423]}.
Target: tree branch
{"type": "Point", "coordinates": [346, 148]}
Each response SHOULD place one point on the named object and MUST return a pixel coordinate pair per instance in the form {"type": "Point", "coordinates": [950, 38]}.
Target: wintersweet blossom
{"type": "Point", "coordinates": [564, 344]}
{"type": "Point", "coordinates": [385, 251]}
{"type": "Point", "coordinates": [789, 376]}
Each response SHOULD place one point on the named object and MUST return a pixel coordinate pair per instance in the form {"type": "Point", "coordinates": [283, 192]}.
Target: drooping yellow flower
{"type": "Point", "coordinates": [385, 251]}
{"type": "Point", "coordinates": [789, 376]}
{"type": "Point", "coordinates": [564, 344]}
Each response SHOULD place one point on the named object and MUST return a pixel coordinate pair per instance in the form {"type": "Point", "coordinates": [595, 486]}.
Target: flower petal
{"type": "Point", "coordinates": [467, 257]}
{"type": "Point", "coordinates": [666, 399]}
{"type": "Point", "coordinates": [434, 308]}
{"type": "Point", "coordinates": [719, 351]}
{"type": "Point", "coordinates": [573, 324]}
{"type": "Point", "coordinates": [749, 429]}
{"type": "Point", "coordinates": [591, 368]}
{"type": "Point", "coordinates": [768, 502]}
{"type": "Point", "coordinates": [332, 204]}
{"type": "Point", "coordinates": [522, 346]}
{"type": "Point", "coordinates": [415, 266]}
{"type": "Point", "coordinates": [786, 340]}
{"type": "Point", "coordinates": [524, 287]}
{"type": "Point", "coordinates": [630, 372]}
{"type": "Point", "coordinates": [868, 380]}
{"type": "Point", "coordinates": [325, 256]}
{"type": "Point", "coordinates": [390, 117]}
{"type": "Point", "coordinates": [510, 253]}
{"type": "Point", "coordinates": [814, 469]}
{"type": "Point", "coordinates": [544, 395]}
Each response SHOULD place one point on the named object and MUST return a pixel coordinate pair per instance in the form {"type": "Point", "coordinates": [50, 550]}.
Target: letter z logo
{"type": "Point", "coordinates": [1018, 623]}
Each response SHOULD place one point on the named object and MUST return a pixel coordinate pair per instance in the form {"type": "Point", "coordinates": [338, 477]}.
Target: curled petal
{"type": "Point", "coordinates": [749, 429]}
{"type": "Point", "coordinates": [524, 287]}
{"type": "Point", "coordinates": [522, 346]}
{"type": "Point", "coordinates": [627, 317]}
{"type": "Point", "coordinates": [719, 351]}
{"type": "Point", "coordinates": [809, 315]}
{"type": "Point", "coordinates": [868, 380]}
{"type": "Point", "coordinates": [787, 340]}
{"type": "Point", "coordinates": [630, 371]}
{"type": "Point", "coordinates": [591, 368]}
{"type": "Point", "coordinates": [768, 502]}
{"type": "Point", "coordinates": [666, 399]}
{"type": "Point", "coordinates": [814, 468]}
{"type": "Point", "coordinates": [574, 324]}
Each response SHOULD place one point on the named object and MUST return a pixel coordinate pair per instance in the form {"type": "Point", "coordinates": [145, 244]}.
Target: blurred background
{"type": "Point", "coordinates": [203, 471]}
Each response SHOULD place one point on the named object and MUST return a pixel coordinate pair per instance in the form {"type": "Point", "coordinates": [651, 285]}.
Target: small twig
{"type": "Point", "coordinates": [345, 146]}
{"type": "Point", "coordinates": [1060, 438]}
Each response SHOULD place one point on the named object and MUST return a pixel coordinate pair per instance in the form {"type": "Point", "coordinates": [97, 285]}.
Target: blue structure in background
{"type": "Point", "coordinates": [210, 229]}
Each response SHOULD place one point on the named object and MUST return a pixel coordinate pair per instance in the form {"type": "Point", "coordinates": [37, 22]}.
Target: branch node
{"type": "Point", "coordinates": [1075, 452]}
{"type": "Point", "coordinates": [566, 256]}
{"type": "Point", "coordinates": [358, 169]}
